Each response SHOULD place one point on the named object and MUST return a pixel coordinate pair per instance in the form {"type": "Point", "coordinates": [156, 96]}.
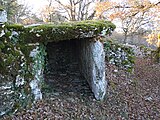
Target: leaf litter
{"type": "Point", "coordinates": [129, 97]}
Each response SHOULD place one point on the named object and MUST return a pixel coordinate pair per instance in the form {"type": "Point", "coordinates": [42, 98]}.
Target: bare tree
{"type": "Point", "coordinates": [50, 14]}
{"type": "Point", "coordinates": [14, 10]}
{"type": "Point", "coordinates": [133, 15]}
{"type": "Point", "coordinates": [22, 11]}
{"type": "Point", "coordinates": [77, 9]}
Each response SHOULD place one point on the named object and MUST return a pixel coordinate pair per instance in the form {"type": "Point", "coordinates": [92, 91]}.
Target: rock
{"type": "Point", "coordinates": [37, 71]}
{"type": "Point", "coordinates": [93, 66]}
{"type": "Point", "coordinates": [3, 16]}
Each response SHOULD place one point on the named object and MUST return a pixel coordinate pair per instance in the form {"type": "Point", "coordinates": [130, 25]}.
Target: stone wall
{"type": "Point", "coordinates": [61, 57]}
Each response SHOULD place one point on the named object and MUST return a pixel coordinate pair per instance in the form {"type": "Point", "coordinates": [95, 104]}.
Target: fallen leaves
{"type": "Point", "coordinates": [135, 96]}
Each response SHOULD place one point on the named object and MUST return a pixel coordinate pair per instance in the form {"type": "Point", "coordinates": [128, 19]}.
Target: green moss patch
{"type": "Point", "coordinates": [63, 31]}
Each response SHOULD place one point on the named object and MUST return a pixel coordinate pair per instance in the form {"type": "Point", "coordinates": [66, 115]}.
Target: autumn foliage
{"type": "Point", "coordinates": [133, 15]}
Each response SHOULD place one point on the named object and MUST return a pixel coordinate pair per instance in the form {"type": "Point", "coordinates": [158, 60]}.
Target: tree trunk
{"type": "Point", "coordinates": [158, 49]}
{"type": "Point", "coordinates": [125, 30]}
{"type": "Point", "coordinates": [158, 55]}
{"type": "Point", "coordinates": [125, 38]}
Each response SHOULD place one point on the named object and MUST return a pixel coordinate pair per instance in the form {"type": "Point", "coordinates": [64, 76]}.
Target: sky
{"type": "Point", "coordinates": [36, 5]}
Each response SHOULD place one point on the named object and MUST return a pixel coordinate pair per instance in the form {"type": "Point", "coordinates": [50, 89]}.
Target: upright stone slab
{"type": "Point", "coordinates": [3, 16]}
{"type": "Point", "coordinates": [92, 60]}
{"type": "Point", "coordinates": [37, 56]}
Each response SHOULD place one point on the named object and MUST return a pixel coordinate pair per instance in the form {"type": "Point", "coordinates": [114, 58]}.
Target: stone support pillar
{"type": "Point", "coordinates": [92, 58]}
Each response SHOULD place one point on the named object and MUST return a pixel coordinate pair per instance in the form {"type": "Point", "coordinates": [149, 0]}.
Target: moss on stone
{"type": "Point", "coordinates": [15, 27]}
{"type": "Point", "coordinates": [1, 9]}
{"type": "Point", "coordinates": [63, 31]}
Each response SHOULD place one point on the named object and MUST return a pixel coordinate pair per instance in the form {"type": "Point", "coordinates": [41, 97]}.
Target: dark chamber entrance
{"type": "Point", "coordinates": [62, 72]}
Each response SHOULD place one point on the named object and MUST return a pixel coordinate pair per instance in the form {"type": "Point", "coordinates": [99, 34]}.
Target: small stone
{"type": "Point", "coordinates": [148, 98]}
{"type": "Point", "coordinates": [56, 93]}
{"type": "Point", "coordinates": [115, 71]}
{"type": "Point", "coordinates": [63, 74]}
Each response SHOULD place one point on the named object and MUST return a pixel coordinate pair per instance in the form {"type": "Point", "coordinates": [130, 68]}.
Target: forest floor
{"type": "Point", "coordinates": [129, 97]}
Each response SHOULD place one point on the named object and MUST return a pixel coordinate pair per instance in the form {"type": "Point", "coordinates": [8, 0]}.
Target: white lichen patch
{"type": "Point", "coordinates": [36, 90]}
{"type": "Point", "coordinates": [19, 80]}
{"type": "Point", "coordinates": [34, 52]}
{"type": "Point", "coordinates": [38, 35]}
{"type": "Point", "coordinates": [103, 32]}
{"type": "Point", "coordinates": [14, 33]}
{"type": "Point", "coordinates": [2, 33]}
